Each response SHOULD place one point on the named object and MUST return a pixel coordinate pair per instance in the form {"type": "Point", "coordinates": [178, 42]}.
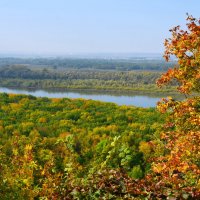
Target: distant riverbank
{"type": "Point", "coordinates": [136, 98]}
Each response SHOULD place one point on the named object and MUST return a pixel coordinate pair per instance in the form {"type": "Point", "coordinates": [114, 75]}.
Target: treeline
{"type": "Point", "coordinates": [97, 64]}
{"type": "Point", "coordinates": [26, 77]}
{"type": "Point", "coordinates": [25, 72]}
{"type": "Point", "coordinates": [62, 148]}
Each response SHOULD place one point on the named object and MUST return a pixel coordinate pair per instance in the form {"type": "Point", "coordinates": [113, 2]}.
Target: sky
{"type": "Point", "coordinates": [62, 27]}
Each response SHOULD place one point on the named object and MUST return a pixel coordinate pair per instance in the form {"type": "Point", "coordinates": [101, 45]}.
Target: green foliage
{"type": "Point", "coordinates": [50, 148]}
{"type": "Point", "coordinates": [136, 172]}
{"type": "Point", "coordinates": [29, 77]}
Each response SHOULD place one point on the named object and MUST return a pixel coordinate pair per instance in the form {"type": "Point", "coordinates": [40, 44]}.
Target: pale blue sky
{"type": "Point", "coordinates": [89, 26]}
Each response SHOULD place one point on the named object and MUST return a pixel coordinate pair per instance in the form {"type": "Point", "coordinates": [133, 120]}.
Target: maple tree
{"type": "Point", "coordinates": [176, 173]}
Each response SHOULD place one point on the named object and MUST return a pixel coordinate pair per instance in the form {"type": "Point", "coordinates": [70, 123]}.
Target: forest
{"type": "Point", "coordinates": [50, 143]}
{"type": "Point", "coordinates": [82, 149]}
{"type": "Point", "coordinates": [22, 76]}
{"type": "Point", "coordinates": [130, 74]}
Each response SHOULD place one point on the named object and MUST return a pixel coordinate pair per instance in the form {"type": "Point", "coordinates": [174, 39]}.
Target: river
{"type": "Point", "coordinates": [121, 98]}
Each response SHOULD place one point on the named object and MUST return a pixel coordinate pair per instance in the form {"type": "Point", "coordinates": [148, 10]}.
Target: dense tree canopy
{"type": "Point", "coordinates": [51, 147]}
{"type": "Point", "coordinates": [30, 77]}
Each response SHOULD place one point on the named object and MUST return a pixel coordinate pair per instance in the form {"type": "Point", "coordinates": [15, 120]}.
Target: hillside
{"type": "Point", "coordinates": [47, 142]}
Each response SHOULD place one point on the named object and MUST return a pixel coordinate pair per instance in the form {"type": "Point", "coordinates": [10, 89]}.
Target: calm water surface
{"type": "Point", "coordinates": [142, 100]}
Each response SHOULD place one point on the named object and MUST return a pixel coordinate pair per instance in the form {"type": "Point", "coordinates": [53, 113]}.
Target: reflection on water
{"type": "Point", "coordinates": [126, 98]}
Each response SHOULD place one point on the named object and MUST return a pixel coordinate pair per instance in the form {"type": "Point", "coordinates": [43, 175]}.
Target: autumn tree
{"type": "Point", "coordinates": [176, 173]}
